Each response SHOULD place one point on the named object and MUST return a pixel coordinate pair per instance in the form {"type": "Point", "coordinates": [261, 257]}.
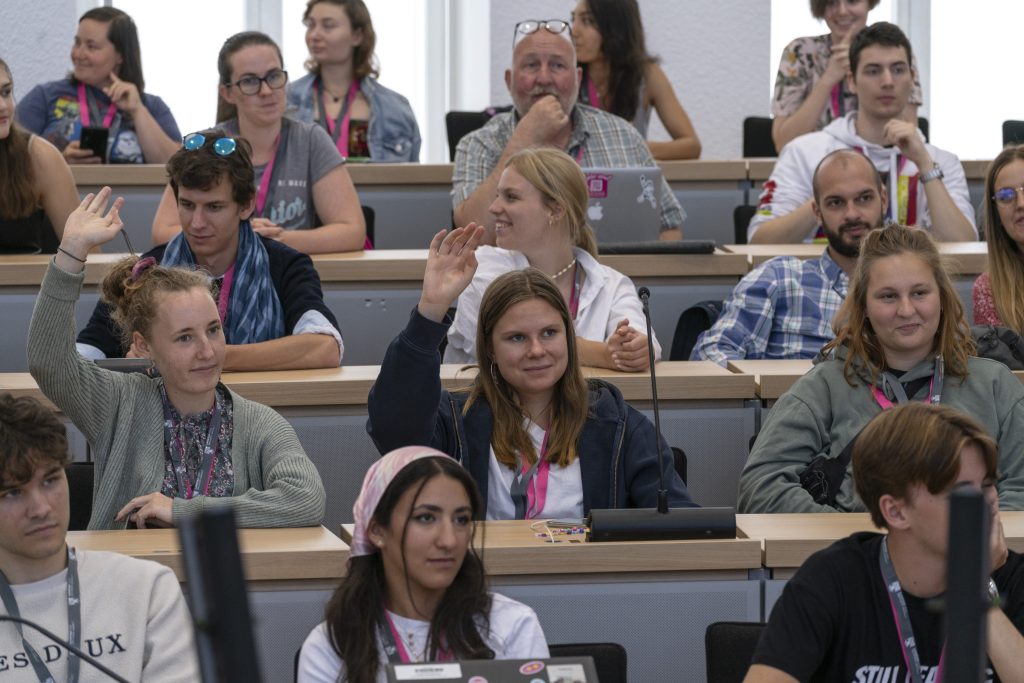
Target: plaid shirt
{"type": "Point", "coordinates": [598, 139]}
{"type": "Point", "coordinates": [782, 309]}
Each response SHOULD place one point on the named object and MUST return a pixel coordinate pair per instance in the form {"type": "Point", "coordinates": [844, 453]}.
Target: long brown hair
{"type": "Point", "coordinates": [355, 612]}
{"type": "Point", "coordinates": [364, 63]}
{"type": "Point", "coordinates": [853, 329]}
{"type": "Point", "coordinates": [19, 196]}
{"type": "Point", "coordinates": [1005, 267]}
{"type": "Point", "coordinates": [561, 183]}
{"type": "Point", "coordinates": [569, 405]}
{"type": "Point", "coordinates": [624, 48]}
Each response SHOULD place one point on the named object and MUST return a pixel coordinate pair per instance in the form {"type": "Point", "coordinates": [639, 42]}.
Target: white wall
{"type": "Point", "coordinates": [715, 53]}
{"type": "Point", "coordinates": [37, 37]}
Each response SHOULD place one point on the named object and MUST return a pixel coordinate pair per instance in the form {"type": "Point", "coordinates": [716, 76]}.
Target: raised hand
{"type": "Point", "coordinates": [838, 63]}
{"type": "Point", "coordinates": [451, 264]}
{"type": "Point", "coordinates": [124, 95]}
{"type": "Point", "coordinates": [89, 226]}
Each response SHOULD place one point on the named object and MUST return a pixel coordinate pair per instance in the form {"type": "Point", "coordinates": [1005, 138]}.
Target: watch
{"type": "Point", "coordinates": [934, 174]}
{"type": "Point", "coordinates": [993, 594]}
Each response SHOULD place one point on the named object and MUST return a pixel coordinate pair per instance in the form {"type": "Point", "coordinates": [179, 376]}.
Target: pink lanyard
{"type": "Point", "coordinates": [268, 171]}
{"type": "Point", "coordinates": [838, 108]}
{"type": "Point", "coordinates": [593, 99]}
{"type": "Point", "coordinates": [342, 140]}
{"type": "Point", "coordinates": [443, 654]}
{"type": "Point", "coordinates": [225, 294]}
{"type": "Point", "coordinates": [537, 486]}
{"type": "Point", "coordinates": [83, 109]}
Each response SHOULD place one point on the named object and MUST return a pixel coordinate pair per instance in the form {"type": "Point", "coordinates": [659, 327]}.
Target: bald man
{"type": "Point", "coordinates": [544, 82]}
{"type": "Point", "coordinates": [784, 308]}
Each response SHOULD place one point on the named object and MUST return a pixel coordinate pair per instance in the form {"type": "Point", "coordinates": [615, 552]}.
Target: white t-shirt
{"type": "Point", "coordinates": [565, 487]}
{"type": "Point", "coordinates": [134, 622]}
{"type": "Point", "coordinates": [608, 296]}
{"type": "Point", "coordinates": [515, 634]}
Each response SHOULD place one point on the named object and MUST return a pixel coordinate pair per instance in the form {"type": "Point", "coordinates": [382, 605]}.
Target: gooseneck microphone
{"type": "Point", "coordinates": [660, 523]}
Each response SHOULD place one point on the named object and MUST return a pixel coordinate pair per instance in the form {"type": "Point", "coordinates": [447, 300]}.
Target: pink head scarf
{"type": "Point", "coordinates": [378, 477]}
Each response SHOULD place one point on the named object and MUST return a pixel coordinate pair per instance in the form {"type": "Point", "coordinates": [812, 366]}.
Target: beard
{"type": "Point", "coordinates": [842, 247]}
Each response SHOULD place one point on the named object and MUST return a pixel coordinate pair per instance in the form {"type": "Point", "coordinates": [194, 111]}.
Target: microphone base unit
{"type": "Point", "coordinates": [647, 524]}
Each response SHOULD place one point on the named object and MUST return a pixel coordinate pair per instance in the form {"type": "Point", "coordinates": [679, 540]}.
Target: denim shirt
{"type": "Point", "coordinates": [392, 134]}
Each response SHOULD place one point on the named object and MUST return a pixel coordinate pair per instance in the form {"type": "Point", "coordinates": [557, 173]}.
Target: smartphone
{"type": "Point", "coordinates": [94, 138]}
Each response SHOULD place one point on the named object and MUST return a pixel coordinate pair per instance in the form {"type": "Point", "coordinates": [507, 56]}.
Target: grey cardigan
{"type": "Point", "coordinates": [276, 484]}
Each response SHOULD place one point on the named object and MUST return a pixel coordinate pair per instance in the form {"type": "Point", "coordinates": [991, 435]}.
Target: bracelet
{"type": "Point", "coordinates": [70, 255]}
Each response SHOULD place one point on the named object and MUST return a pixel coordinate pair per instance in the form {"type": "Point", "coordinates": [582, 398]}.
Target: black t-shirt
{"type": "Point", "coordinates": [834, 622]}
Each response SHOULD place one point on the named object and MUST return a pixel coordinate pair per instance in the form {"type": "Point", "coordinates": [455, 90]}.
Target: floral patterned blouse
{"type": "Point", "coordinates": [984, 302]}
{"type": "Point", "coordinates": [803, 62]}
{"type": "Point", "coordinates": [192, 431]}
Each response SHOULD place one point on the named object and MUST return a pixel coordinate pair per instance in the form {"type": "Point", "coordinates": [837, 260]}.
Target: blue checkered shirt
{"type": "Point", "coordinates": [782, 309]}
{"type": "Point", "coordinates": [605, 141]}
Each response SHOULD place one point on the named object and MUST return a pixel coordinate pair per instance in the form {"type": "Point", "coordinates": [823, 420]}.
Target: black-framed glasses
{"type": "Point", "coordinates": [222, 146]}
{"type": "Point", "coordinates": [530, 26]}
{"type": "Point", "coordinates": [1007, 195]}
{"type": "Point", "coordinates": [250, 85]}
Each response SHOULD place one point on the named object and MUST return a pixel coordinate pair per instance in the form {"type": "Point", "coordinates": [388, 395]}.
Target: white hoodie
{"type": "Point", "coordinates": [790, 183]}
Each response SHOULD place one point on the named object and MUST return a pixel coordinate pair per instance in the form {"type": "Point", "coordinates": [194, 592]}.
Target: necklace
{"type": "Point", "coordinates": [409, 641]}
{"type": "Point", "coordinates": [563, 271]}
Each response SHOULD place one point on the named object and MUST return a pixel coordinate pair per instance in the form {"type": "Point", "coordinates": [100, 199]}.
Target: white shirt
{"type": "Point", "coordinates": [515, 633]}
{"type": "Point", "coordinates": [608, 296]}
{"type": "Point", "coordinates": [565, 487]}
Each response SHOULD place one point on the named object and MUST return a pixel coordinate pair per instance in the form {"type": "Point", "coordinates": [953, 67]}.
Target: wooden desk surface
{"type": "Point", "coordinates": [773, 378]}
{"type": "Point", "coordinates": [964, 258]}
{"type": "Point", "coordinates": [759, 170]}
{"type": "Point", "coordinates": [405, 265]}
{"type": "Point", "coordinates": [513, 548]}
{"type": "Point", "coordinates": [677, 381]}
{"type": "Point", "coordinates": [789, 539]}
{"type": "Point", "coordinates": [307, 553]}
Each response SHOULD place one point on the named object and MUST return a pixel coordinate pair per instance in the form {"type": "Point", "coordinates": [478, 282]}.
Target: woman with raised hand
{"type": "Point", "coordinates": [540, 220]}
{"type": "Point", "coordinates": [810, 88]}
{"type": "Point", "coordinates": [620, 77]}
{"type": "Point", "coordinates": [998, 293]}
{"type": "Point", "coordinates": [900, 336]}
{"type": "Point", "coordinates": [105, 90]}
{"type": "Point", "coordinates": [539, 439]}
{"type": "Point", "coordinates": [341, 93]}
{"type": "Point", "coordinates": [171, 446]}
{"type": "Point", "coordinates": [304, 194]}
{"type": "Point", "coordinates": [37, 192]}
{"type": "Point", "coordinates": [415, 589]}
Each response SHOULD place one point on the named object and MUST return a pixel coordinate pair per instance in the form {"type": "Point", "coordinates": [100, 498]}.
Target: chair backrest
{"type": "Point", "coordinates": [459, 124]}
{"type": "Point", "coordinates": [609, 658]}
{"type": "Point", "coordinates": [741, 216]}
{"type": "Point", "coordinates": [1013, 133]}
{"type": "Point", "coordinates": [757, 137]}
{"type": "Point", "coordinates": [922, 124]}
{"type": "Point", "coordinates": [729, 648]}
{"type": "Point", "coordinates": [369, 217]}
{"type": "Point", "coordinates": [80, 478]}
{"type": "Point", "coordinates": [679, 461]}
{"type": "Point", "coordinates": [694, 320]}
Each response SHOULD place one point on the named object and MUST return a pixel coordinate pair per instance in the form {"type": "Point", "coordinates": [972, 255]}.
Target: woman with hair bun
{"type": "Point", "coordinates": [170, 446]}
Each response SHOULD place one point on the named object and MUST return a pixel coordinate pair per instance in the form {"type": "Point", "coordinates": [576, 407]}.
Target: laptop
{"type": "Point", "coordinates": [624, 204]}
{"type": "Point", "coordinates": [553, 670]}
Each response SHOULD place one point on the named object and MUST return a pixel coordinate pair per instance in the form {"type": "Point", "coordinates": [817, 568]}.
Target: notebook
{"type": "Point", "coordinates": [625, 203]}
{"type": "Point", "coordinates": [553, 670]}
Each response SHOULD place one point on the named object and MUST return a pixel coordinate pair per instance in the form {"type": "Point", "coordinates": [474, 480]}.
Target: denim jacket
{"type": "Point", "coordinates": [392, 135]}
{"type": "Point", "coordinates": [617, 449]}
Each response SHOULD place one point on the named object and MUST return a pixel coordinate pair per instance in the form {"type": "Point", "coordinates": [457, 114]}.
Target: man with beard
{"type": "Point", "coordinates": [927, 186]}
{"type": "Point", "coordinates": [544, 82]}
{"type": "Point", "coordinates": [784, 308]}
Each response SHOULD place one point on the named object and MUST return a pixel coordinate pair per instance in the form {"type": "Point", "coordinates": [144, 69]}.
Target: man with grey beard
{"type": "Point", "coordinates": [784, 307]}
{"type": "Point", "coordinates": [544, 84]}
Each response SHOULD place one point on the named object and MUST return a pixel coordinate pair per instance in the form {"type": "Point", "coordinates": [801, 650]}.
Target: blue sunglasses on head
{"type": "Point", "coordinates": [222, 146]}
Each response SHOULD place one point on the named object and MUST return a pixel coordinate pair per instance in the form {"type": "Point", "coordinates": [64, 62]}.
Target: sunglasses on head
{"type": "Point", "coordinates": [222, 146]}
{"type": "Point", "coordinates": [530, 26]}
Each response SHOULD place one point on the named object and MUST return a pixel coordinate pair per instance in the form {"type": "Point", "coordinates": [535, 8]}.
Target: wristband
{"type": "Point", "coordinates": [993, 594]}
{"type": "Point", "coordinates": [70, 255]}
{"type": "Point", "coordinates": [934, 174]}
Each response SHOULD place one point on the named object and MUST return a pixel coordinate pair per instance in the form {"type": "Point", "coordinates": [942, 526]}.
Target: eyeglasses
{"type": "Point", "coordinates": [1007, 195]}
{"type": "Point", "coordinates": [525, 28]}
{"type": "Point", "coordinates": [250, 85]}
{"type": "Point", "coordinates": [222, 146]}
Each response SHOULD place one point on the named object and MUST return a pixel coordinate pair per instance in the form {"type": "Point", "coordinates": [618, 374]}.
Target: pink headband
{"type": "Point", "coordinates": [378, 477]}
{"type": "Point", "coordinates": [140, 268]}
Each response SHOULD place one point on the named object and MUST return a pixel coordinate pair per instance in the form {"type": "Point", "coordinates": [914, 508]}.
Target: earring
{"type": "Point", "coordinates": [494, 373]}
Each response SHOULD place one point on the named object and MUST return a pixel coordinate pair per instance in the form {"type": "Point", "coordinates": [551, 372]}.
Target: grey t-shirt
{"type": "Point", "coordinates": [305, 155]}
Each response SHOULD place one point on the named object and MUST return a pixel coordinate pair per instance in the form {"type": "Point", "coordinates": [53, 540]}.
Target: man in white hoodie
{"type": "Point", "coordinates": [927, 186]}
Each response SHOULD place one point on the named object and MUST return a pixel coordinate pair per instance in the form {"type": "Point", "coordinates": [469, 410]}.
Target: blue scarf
{"type": "Point", "coordinates": [254, 309]}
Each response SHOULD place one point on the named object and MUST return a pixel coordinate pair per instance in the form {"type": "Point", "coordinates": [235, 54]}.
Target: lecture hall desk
{"type": "Point", "coordinates": [371, 293]}
{"type": "Point", "coordinates": [705, 409]}
{"type": "Point", "coordinates": [654, 598]}
{"type": "Point", "coordinates": [289, 573]}
{"type": "Point", "coordinates": [789, 539]}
